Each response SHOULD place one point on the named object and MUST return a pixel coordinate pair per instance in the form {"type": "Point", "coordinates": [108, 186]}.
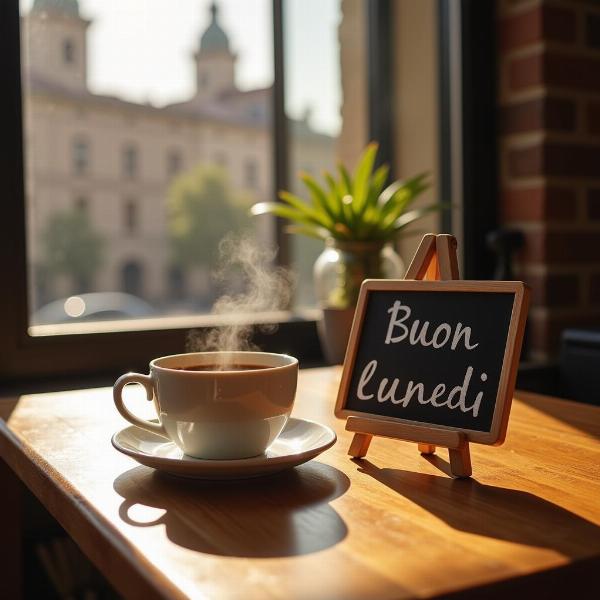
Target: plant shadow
{"type": "Point", "coordinates": [495, 512]}
{"type": "Point", "coordinates": [287, 514]}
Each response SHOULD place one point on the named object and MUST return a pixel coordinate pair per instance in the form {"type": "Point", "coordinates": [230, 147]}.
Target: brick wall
{"type": "Point", "coordinates": [549, 107]}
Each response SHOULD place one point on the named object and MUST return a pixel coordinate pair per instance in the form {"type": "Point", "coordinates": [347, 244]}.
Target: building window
{"type": "Point", "coordinates": [132, 278]}
{"type": "Point", "coordinates": [81, 204]}
{"type": "Point", "coordinates": [176, 283]}
{"type": "Point", "coordinates": [251, 173]}
{"type": "Point", "coordinates": [174, 163]}
{"type": "Point", "coordinates": [81, 156]}
{"type": "Point", "coordinates": [130, 162]}
{"type": "Point", "coordinates": [131, 216]}
{"type": "Point", "coordinates": [243, 137]}
{"type": "Point", "coordinates": [68, 52]}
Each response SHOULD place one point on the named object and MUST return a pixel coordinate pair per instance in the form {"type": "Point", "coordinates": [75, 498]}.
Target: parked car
{"type": "Point", "coordinates": [96, 306]}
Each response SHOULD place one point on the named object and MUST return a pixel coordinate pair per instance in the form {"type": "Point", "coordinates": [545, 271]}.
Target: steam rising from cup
{"type": "Point", "coordinates": [253, 285]}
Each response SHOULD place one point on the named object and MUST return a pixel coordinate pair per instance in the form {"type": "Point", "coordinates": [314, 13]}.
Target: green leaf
{"type": "Point", "coordinates": [295, 202]}
{"type": "Point", "coordinates": [346, 180]}
{"type": "Point", "coordinates": [319, 196]}
{"type": "Point", "coordinates": [285, 212]}
{"type": "Point", "coordinates": [336, 199]}
{"type": "Point", "coordinates": [401, 198]}
{"type": "Point", "coordinates": [368, 214]}
{"type": "Point", "coordinates": [311, 231]}
{"type": "Point", "coordinates": [414, 215]}
{"type": "Point", "coordinates": [362, 178]}
{"type": "Point", "coordinates": [410, 188]}
{"type": "Point", "coordinates": [377, 182]}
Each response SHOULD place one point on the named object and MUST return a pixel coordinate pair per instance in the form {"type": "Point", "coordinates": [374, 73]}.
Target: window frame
{"type": "Point", "coordinates": [80, 149]}
{"type": "Point", "coordinates": [131, 216]}
{"type": "Point", "coordinates": [24, 357]}
{"type": "Point", "coordinates": [68, 52]}
{"type": "Point", "coordinates": [130, 161]}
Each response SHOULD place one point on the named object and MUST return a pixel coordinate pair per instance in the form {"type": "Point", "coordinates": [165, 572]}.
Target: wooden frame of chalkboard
{"type": "Point", "coordinates": [510, 356]}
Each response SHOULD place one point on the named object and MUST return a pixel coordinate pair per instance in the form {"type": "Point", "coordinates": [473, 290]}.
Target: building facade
{"type": "Point", "coordinates": [116, 159]}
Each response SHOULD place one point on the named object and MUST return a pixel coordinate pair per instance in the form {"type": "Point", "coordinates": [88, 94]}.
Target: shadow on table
{"type": "Point", "coordinates": [584, 417]}
{"type": "Point", "coordinates": [501, 513]}
{"type": "Point", "coordinates": [281, 515]}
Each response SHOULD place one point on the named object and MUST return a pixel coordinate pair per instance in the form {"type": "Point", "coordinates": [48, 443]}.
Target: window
{"type": "Point", "coordinates": [130, 161]}
{"type": "Point", "coordinates": [131, 216]}
{"type": "Point", "coordinates": [132, 278]}
{"type": "Point", "coordinates": [174, 163]}
{"type": "Point", "coordinates": [176, 283]}
{"type": "Point", "coordinates": [251, 100]}
{"type": "Point", "coordinates": [82, 204]}
{"type": "Point", "coordinates": [68, 52]}
{"type": "Point", "coordinates": [81, 156]}
{"type": "Point", "coordinates": [251, 173]}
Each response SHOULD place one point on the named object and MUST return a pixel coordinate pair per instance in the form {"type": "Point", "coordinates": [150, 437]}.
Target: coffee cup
{"type": "Point", "coordinates": [217, 405]}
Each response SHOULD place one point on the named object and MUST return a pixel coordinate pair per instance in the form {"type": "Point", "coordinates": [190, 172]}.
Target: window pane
{"type": "Point", "coordinates": [326, 101]}
{"type": "Point", "coordinates": [148, 137]}
{"type": "Point", "coordinates": [326, 84]}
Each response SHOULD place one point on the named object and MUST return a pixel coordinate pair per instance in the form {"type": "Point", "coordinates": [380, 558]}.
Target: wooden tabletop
{"type": "Point", "coordinates": [392, 526]}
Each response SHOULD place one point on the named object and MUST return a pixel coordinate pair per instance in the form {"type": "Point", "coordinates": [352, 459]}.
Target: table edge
{"type": "Point", "coordinates": [83, 523]}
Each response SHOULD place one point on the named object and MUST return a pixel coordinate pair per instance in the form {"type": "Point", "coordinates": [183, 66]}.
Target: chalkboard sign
{"type": "Point", "coordinates": [440, 354]}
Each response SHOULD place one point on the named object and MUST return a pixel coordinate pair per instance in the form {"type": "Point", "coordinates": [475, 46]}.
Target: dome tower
{"type": "Point", "coordinates": [55, 42]}
{"type": "Point", "coordinates": [215, 62]}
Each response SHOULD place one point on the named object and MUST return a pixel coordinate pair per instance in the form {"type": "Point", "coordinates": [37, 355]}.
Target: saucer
{"type": "Point", "coordinates": [299, 442]}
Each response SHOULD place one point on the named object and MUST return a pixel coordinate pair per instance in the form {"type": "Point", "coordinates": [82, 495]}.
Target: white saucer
{"type": "Point", "coordinates": [299, 442]}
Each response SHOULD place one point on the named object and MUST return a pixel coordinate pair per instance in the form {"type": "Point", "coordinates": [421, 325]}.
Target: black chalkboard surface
{"type": "Point", "coordinates": [436, 353]}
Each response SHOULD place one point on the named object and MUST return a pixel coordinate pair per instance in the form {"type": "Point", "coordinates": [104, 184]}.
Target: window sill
{"type": "Point", "coordinates": [78, 350]}
{"type": "Point", "coordinates": [170, 322]}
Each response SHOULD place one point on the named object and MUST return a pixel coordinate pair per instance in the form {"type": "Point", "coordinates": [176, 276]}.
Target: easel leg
{"type": "Point", "coordinates": [360, 445]}
{"type": "Point", "coordinates": [460, 461]}
{"type": "Point", "coordinates": [426, 448]}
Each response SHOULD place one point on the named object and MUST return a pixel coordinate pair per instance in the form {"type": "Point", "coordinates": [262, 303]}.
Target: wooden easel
{"type": "Point", "coordinates": [435, 259]}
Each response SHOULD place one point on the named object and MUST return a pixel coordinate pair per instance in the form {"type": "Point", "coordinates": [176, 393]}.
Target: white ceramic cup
{"type": "Point", "coordinates": [217, 414]}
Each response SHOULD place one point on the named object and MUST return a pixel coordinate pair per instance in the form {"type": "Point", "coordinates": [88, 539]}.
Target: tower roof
{"type": "Point", "coordinates": [214, 39]}
{"type": "Point", "coordinates": [69, 7]}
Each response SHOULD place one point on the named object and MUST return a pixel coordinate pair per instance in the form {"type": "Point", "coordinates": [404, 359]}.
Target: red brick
{"type": "Point", "coordinates": [526, 71]}
{"type": "Point", "coordinates": [572, 246]}
{"type": "Point", "coordinates": [593, 118]}
{"type": "Point", "coordinates": [555, 159]}
{"type": "Point", "coordinates": [535, 246]}
{"type": "Point", "coordinates": [539, 204]}
{"type": "Point", "coordinates": [560, 24]}
{"type": "Point", "coordinates": [562, 247]}
{"type": "Point", "coordinates": [592, 30]}
{"type": "Point", "coordinates": [528, 161]}
{"type": "Point", "coordinates": [561, 203]}
{"type": "Point", "coordinates": [555, 290]}
{"type": "Point", "coordinates": [571, 160]}
{"type": "Point", "coordinates": [541, 22]}
{"type": "Point", "coordinates": [523, 205]}
{"type": "Point", "coordinates": [571, 71]}
{"type": "Point", "coordinates": [551, 114]}
{"type": "Point", "coordinates": [593, 204]}
{"type": "Point", "coordinates": [521, 29]}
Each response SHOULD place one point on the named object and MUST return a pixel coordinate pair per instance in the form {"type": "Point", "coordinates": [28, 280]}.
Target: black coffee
{"type": "Point", "coordinates": [224, 367]}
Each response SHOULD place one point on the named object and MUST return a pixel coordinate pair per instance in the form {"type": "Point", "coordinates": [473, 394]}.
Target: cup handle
{"type": "Point", "coordinates": [146, 381]}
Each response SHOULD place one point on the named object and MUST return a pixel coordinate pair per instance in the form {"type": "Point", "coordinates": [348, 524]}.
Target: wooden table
{"type": "Point", "coordinates": [392, 526]}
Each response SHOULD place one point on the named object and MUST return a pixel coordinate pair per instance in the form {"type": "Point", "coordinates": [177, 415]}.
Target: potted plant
{"type": "Point", "coordinates": [358, 217]}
